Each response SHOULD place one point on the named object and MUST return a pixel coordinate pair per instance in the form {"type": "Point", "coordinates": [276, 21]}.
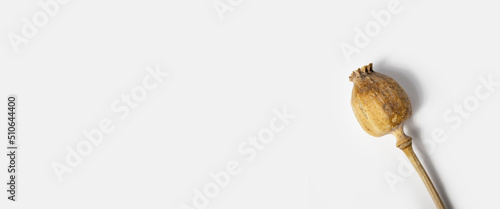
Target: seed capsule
{"type": "Point", "coordinates": [378, 101]}
{"type": "Point", "coordinates": [381, 107]}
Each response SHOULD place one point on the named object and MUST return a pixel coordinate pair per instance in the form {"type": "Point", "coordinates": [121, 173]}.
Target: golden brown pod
{"type": "Point", "coordinates": [381, 107]}
{"type": "Point", "coordinates": [379, 103]}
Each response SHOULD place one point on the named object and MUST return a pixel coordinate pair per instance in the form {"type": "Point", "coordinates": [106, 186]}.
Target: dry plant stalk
{"type": "Point", "coordinates": [382, 107]}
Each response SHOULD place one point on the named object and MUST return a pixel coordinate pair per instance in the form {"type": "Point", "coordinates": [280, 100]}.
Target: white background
{"type": "Point", "coordinates": [226, 78]}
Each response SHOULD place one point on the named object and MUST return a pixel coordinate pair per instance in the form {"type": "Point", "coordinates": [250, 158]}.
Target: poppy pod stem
{"type": "Point", "coordinates": [404, 143]}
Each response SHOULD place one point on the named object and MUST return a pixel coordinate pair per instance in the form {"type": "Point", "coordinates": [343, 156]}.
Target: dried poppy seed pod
{"type": "Point", "coordinates": [379, 103]}
{"type": "Point", "coordinates": [381, 107]}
